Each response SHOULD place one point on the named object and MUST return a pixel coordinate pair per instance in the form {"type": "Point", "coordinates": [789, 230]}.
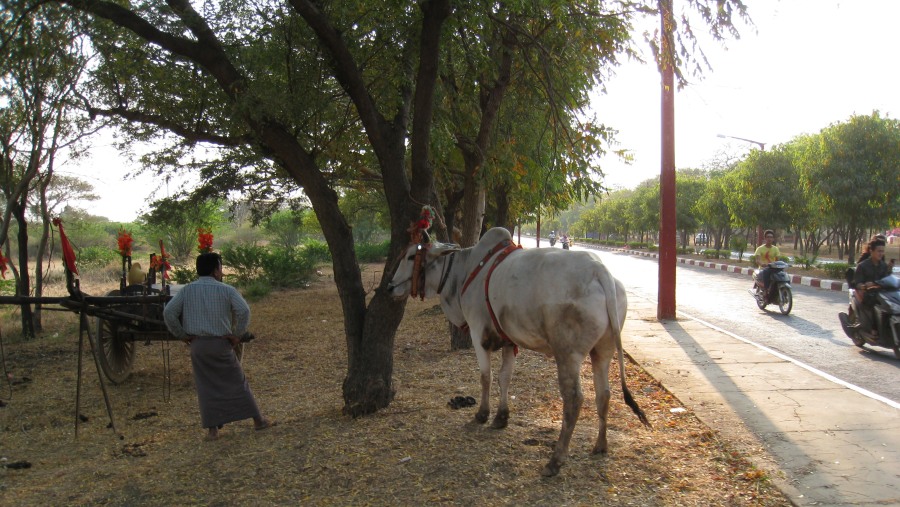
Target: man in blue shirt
{"type": "Point", "coordinates": [211, 316]}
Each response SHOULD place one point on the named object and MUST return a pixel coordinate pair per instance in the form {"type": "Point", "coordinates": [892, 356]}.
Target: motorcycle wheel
{"type": "Point", "coordinates": [785, 299]}
{"type": "Point", "coordinates": [857, 339]}
{"type": "Point", "coordinates": [760, 298]}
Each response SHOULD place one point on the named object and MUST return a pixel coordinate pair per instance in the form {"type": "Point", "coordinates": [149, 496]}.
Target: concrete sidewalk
{"type": "Point", "coordinates": [821, 442]}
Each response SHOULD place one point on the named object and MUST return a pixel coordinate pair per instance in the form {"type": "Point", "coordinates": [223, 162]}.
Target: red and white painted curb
{"type": "Point", "coordinates": [795, 279]}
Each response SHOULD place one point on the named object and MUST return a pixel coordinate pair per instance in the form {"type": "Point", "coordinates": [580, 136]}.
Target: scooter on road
{"type": "Point", "coordinates": [884, 330]}
{"type": "Point", "coordinates": [779, 288]}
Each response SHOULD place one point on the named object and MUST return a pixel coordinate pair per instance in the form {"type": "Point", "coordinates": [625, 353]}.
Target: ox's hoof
{"type": "Point", "coordinates": [600, 448]}
{"type": "Point", "coordinates": [481, 416]}
{"type": "Point", "coordinates": [500, 420]}
{"type": "Point", "coordinates": [551, 469]}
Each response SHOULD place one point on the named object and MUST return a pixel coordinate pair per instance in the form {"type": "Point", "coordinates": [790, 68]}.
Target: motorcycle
{"type": "Point", "coordinates": [886, 320]}
{"type": "Point", "coordinates": [565, 244]}
{"type": "Point", "coordinates": [779, 288]}
{"type": "Point", "coordinates": [552, 240]}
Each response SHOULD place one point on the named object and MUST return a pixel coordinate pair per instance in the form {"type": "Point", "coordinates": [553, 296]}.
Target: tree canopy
{"type": "Point", "coordinates": [267, 97]}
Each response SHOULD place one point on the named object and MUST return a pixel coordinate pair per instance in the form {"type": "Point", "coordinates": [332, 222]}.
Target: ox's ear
{"type": "Point", "coordinates": [438, 249]}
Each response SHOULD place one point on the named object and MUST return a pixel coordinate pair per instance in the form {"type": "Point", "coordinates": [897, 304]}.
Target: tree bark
{"type": "Point", "coordinates": [23, 288]}
{"type": "Point", "coordinates": [369, 330]}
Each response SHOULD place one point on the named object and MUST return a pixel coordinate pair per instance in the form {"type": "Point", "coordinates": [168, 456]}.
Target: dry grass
{"type": "Point", "coordinates": [416, 451]}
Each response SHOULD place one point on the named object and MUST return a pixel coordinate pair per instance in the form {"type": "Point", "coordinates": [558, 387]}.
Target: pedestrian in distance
{"type": "Point", "coordinates": [211, 316]}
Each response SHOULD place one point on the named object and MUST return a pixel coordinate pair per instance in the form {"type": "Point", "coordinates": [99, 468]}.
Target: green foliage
{"type": "Point", "coordinates": [245, 259]}
{"type": "Point", "coordinates": [850, 172]}
{"type": "Point", "coordinates": [182, 274]}
{"type": "Point", "coordinates": [367, 212]}
{"type": "Point", "coordinates": [316, 251]}
{"type": "Point", "coordinates": [739, 245]}
{"type": "Point", "coordinates": [372, 252]}
{"type": "Point", "coordinates": [285, 227]}
{"type": "Point", "coordinates": [835, 270]}
{"type": "Point", "coordinates": [256, 290]}
{"type": "Point", "coordinates": [287, 267]}
{"type": "Point", "coordinates": [712, 253]}
{"type": "Point", "coordinates": [93, 257]}
{"type": "Point", "coordinates": [804, 262]}
{"type": "Point", "coordinates": [276, 266]}
{"type": "Point", "coordinates": [176, 222]}
{"type": "Point", "coordinates": [7, 287]}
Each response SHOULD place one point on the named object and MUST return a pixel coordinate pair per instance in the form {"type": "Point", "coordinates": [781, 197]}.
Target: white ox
{"type": "Point", "coordinates": [558, 302]}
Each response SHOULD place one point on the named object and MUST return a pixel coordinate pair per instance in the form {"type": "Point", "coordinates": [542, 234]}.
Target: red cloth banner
{"type": "Point", "coordinates": [68, 252]}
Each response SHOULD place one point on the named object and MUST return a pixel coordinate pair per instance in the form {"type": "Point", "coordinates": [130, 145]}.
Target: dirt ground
{"type": "Point", "coordinates": [417, 451]}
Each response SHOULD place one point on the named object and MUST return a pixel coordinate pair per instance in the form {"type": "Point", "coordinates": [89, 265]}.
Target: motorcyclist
{"type": "Point", "coordinates": [867, 273]}
{"type": "Point", "coordinates": [764, 255]}
{"type": "Point", "coordinates": [565, 241]}
{"type": "Point", "coordinates": [552, 237]}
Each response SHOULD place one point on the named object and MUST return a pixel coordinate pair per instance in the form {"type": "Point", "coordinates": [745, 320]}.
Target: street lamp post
{"type": "Point", "coordinates": [762, 147]}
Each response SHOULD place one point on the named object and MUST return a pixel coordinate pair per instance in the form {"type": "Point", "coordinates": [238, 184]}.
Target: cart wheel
{"type": "Point", "coordinates": [116, 353]}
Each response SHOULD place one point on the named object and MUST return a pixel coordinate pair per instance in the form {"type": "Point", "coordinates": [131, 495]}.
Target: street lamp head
{"type": "Point", "coordinates": [762, 146]}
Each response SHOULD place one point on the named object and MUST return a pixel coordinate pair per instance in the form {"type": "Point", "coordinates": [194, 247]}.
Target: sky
{"type": "Point", "coordinates": [804, 65]}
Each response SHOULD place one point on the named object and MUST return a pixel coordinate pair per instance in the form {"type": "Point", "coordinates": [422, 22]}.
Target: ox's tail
{"type": "Point", "coordinates": [612, 309]}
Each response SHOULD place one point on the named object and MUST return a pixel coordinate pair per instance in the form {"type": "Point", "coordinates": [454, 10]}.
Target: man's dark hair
{"type": "Point", "coordinates": [769, 231]}
{"type": "Point", "coordinates": [207, 263]}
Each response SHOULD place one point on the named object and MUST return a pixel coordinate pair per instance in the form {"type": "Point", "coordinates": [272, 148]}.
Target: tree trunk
{"type": "Point", "coordinates": [23, 288]}
{"type": "Point", "coordinates": [501, 200]}
{"type": "Point", "coordinates": [473, 209]}
{"type": "Point", "coordinates": [41, 252]}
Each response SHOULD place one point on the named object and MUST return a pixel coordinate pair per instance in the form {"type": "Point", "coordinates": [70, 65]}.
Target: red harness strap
{"type": "Point", "coordinates": [500, 246]}
{"type": "Point", "coordinates": [487, 298]}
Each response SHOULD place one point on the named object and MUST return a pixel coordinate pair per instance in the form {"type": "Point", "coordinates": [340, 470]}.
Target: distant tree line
{"type": "Point", "coordinates": [837, 186]}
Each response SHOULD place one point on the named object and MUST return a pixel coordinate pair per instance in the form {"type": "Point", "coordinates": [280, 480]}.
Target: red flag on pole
{"type": "Point", "coordinates": [68, 252]}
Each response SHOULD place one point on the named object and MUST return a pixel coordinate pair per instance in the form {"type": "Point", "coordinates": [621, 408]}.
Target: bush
{"type": "Point", "coordinates": [316, 251]}
{"type": "Point", "coordinates": [256, 290]}
{"type": "Point", "coordinates": [183, 275]}
{"type": "Point", "coordinates": [245, 259]}
{"type": "Point", "coordinates": [712, 253]}
{"type": "Point", "coordinates": [835, 270]}
{"type": "Point", "coordinates": [372, 252]}
{"type": "Point", "coordinates": [803, 262]}
{"type": "Point", "coordinates": [739, 245]}
{"type": "Point", "coordinates": [7, 287]}
{"type": "Point", "coordinates": [288, 267]}
{"type": "Point", "coordinates": [96, 257]}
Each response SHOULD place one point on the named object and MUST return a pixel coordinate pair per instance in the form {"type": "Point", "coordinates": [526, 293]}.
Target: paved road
{"type": "Point", "coordinates": [810, 334]}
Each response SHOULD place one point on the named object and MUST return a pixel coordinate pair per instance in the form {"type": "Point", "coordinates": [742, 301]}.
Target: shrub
{"type": "Point", "coordinates": [183, 275]}
{"type": "Point", "coordinates": [245, 259]}
{"type": "Point", "coordinates": [7, 287]}
{"type": "Point", "coordinates": [256, 290]}
{"type": "Point", "coordinates": [711, 253]}
{"type": "Point", "coordinates": [288, 267]}
{"type": "Point", "coordinates": [739, 245]}
{"type": "Point", "coordinates": [96, 257]}
{"type": "Point", "coordinates": [372, 252]}
{"type": "Point", "coordinates": [835, 270]}
{"type": "Point", "coordinates": [316, 251]}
